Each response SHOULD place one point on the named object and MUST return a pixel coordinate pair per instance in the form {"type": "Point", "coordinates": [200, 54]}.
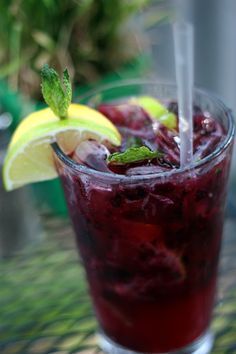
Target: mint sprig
{"type": "Point", "coordinates": [133, 154]}
{"type": "Point", "coordinates": [56, 93]}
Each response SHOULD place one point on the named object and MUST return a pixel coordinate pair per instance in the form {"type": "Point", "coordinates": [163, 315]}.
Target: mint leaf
{"type": "Point", "coordinates": [56, 94]}
{"type": "Point", "coordinates": [133, 154]}
{"type": "Point", "coordinates": [68, 87]}
{"type": "Point", "coordinates": [133, 141]}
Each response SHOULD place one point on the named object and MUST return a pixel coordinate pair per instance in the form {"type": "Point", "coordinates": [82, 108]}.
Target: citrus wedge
{"type": "Point", "coordinates": [30, 157]}
{"type": "Point", "coordinates": [156, 110]}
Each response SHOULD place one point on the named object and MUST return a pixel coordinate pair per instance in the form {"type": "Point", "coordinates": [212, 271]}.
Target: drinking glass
{"type": "Point", "coordinates": [150, 244]}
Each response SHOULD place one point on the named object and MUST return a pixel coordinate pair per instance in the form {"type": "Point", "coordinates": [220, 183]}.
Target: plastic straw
{"type": "Point", "coordinates": [183, 43]}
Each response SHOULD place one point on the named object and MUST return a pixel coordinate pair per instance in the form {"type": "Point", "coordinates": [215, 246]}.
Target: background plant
{"type": "Point", "coordinates": [90, 37]}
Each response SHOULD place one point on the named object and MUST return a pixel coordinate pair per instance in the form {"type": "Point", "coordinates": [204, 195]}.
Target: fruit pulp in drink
{"type": "Point", "coordinates": [150, 240]}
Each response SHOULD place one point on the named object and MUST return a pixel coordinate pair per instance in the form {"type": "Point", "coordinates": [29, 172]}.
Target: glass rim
{"type": "Point", "coordinates": [66, 160]}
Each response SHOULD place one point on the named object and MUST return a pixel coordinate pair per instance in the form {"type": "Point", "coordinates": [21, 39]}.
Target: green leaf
{"type": "Point", "coordinates": [133, 154]}
{"type": "Point", "coordinates": [68, 87]}
{"type": "Point", "coordinates": [56, 94]}
{"type": "Point", "coordinates": [134, 141]}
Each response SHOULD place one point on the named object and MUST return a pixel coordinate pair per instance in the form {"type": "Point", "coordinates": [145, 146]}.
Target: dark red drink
{"type": "Point", "coordinates": [149, 233]}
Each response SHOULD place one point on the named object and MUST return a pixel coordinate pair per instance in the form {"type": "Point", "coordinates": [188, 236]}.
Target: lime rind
{"type": "Point", "coordinates": [9, 185]}
{"type": "Point", "coordinates": [76, 112]}
{"type": "Point", "coordinates": [156, 110]}
{"type": "Point", "coordinates": [27, 162]}
{"type": "Point", "coordinates": [44, 136]}
{"type": "Point", "coordinates": [62, 126]}
{"type": "Point", "coordinates": [152, 106]}
{"type": "Point", "coordinates": [169, 120]}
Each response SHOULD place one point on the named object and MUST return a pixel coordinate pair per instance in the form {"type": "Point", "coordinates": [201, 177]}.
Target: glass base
{"type": "Point", "coordinates": [202, 345]}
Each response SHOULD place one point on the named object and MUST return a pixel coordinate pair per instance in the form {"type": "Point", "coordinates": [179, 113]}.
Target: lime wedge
{"type": "Point", "coordinates": [156, 110]}
{"type": "Point", "coordinates": [30, 157]}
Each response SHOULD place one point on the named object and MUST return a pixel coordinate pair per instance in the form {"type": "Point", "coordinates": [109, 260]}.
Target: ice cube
{"type": "Point", "coordinates": [145, 170]}
{"type": "Point", "coordinates": [92, 154]}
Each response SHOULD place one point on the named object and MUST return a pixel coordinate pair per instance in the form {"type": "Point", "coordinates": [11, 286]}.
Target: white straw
{"type": "Point", "coordinates": [183, 43]}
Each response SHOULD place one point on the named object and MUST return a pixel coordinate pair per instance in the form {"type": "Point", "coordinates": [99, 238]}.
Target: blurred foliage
{"type": "Point", "coordinates": [89, 37]}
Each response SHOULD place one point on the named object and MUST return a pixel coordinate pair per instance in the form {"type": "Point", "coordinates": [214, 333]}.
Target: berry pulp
{"type": "Point", "coordinates": [150, 245]}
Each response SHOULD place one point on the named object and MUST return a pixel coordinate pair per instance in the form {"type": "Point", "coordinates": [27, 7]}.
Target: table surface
{"type": "Point", "coordinates": [45, 309]}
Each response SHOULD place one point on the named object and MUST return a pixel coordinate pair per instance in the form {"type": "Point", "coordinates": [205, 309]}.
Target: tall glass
{"type": "Point", "coordinates": [150, 244]}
